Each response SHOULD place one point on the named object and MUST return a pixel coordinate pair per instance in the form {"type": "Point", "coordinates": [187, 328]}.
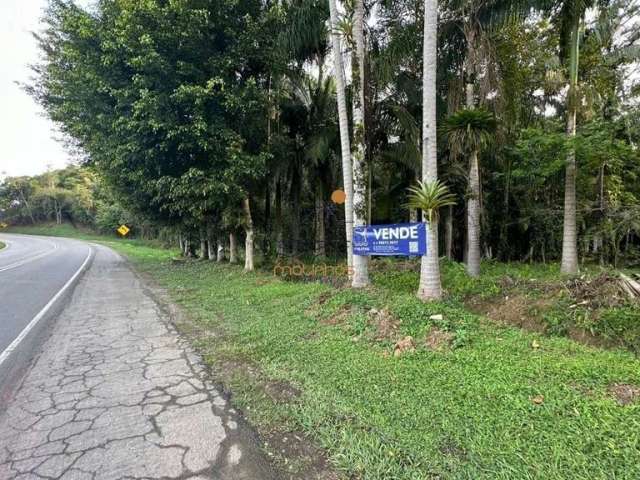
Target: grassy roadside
{"type": "Point", "coordinates": [2, 245]}
{"type": "Point", "coordinates": [471, 400]}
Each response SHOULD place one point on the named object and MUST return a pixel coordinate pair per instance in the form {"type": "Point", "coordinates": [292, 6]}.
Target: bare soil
{"type": "Point", "coordinates": [523, 303]}
{"type": "Point", "coordinates": [625, 394]}
{"type": "Point", "coordinates": [439, 340]}
{"type": "Point", "coordinates": [385, 325]}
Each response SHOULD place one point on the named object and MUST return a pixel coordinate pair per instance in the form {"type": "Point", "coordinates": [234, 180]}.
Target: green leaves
{"type": "Point", "coordinates": [430, 197]}
{"type": "Point", "coordinates": [469, 130]}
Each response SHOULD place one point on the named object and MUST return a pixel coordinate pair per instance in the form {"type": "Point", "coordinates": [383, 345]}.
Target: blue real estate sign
{"type": "Point", "coordinates": [401, 239]}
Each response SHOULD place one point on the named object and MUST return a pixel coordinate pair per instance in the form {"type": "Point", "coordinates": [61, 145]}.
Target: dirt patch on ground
{"type": "Point", "coordinates": [624, 393]}
{"type": "Point", "coordinates": [587, 338]}
{"type": "Point", "coordinates": [451, 448]}
{"type": "Point", "coordinates": [281, 391]}
{"type": "Point", "coordinates": [385, 325]}
{"type": "Point", "coordinates": [524, 303]}
{"type": "Point", "coordinates": [339, 317]}
{"type": "Point", "coordinates": [406, 345]}
{"type": "Point", "coordinates": [439, 340]}
{"type": "Point", "coordinates": [515, 309]}
{"type": "Point", "coordinates": [295, 445]}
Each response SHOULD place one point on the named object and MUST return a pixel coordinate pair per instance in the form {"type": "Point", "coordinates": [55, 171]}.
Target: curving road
{"type": "Point", "coordinates": [32, 272]}
{"type": "Point", "coordinates": [111, 392]}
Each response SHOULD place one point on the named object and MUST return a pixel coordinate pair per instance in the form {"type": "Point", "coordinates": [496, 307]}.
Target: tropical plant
{"type": "Point", "coordinates": [430, 197]}
{"type": "Point", "coordinates": [468, 132]}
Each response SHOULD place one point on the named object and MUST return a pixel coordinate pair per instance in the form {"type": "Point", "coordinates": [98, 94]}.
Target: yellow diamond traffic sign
{"type": "Point", "coordinates": [3, 225]}
{"type": "Point", "coordinates": [123, 230]}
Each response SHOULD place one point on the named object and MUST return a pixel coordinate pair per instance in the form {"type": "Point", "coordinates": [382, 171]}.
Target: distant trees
{"type": "Point", "coordinates": [66, 195]}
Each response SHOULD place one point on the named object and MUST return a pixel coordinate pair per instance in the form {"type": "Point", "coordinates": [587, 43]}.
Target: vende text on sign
{"type": "Point", "coordinates": [401, 239]}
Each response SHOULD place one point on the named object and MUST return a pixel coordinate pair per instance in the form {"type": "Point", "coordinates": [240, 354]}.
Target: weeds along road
{"type": "Point", "coordinates": [109, 391]}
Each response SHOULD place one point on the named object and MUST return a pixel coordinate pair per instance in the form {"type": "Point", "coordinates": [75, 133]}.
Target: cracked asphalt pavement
{"type": "Point", "coordinates": [115, 393]}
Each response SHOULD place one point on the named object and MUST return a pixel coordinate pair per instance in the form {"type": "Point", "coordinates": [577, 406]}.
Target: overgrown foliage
{"type": "Point", "coordinates": [209, 118]}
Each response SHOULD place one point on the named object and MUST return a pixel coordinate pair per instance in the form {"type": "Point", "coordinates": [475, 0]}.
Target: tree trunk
{"type": "Point", "coordinates": [181, 243]}
{"type": "Point", "coordinates": [279, 221]}
{"type": "Point", "coordinates": [343, 121]}
{"type": "Point", "coordinates": [296, 187]}
{"type": "Point", "coordinates": [569, 264]}
{"type": "Point", "coordinates": [448, 233]}
{"type": "Point", "coordinates": [220, 250]}
{"type": "Point", "coordinates": [430, 287]}
{"type": "Point", "coordinates": [233, 249]}
{"type": "Point", "coordinates": [266, 243]}
{"type": "Point", "coordinates": [203, 245]}
{"type": "Point", "coordinates": [473, 218]}
{"type": "Point", "coordinates": [360, 263]}
{"type": "Point", "coordinates": [28, 207]}
{"type": "Point", "coordinates": [248, 244]}
{"type": "Point", "coordinates": [320, 250]}
{"type": "Point", "coordinates": [210, 236]}
{"type": "Point", "coordinates": [504, 252]}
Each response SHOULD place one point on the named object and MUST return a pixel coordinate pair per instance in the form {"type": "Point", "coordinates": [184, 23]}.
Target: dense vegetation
{"type": "Point", "coordinates": [213, 119]}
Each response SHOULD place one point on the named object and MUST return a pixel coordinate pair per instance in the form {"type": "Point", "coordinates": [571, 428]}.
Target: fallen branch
{"type": "Point", "coordinates": [630, 286]}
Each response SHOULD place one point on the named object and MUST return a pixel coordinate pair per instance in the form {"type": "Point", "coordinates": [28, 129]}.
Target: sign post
{"type": "Point", "coordinates": [401, 239]}
{"type": "Point", "coordinates": [123, 230]}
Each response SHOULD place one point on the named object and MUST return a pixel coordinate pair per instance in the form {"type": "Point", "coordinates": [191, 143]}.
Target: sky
{"type": "Point", "coordinates": [28, 143]}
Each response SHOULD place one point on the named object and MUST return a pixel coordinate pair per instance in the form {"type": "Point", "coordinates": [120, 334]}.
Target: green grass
{"type": "Point", "coordinates": [2, 245]}
{"type": "Point", "coordinates": [465, 412]}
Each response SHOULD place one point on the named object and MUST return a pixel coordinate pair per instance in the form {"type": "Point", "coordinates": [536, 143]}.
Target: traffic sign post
{"type": "Point", "coordinates": [123, 230]}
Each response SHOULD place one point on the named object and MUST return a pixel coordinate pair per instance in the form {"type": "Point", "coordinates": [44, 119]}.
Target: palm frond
{"type": "Point", "coordinates": [430, 197]}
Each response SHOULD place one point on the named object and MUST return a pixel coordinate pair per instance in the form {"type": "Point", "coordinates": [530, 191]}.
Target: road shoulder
{"type": "Point", "coordinates": [116, 393]}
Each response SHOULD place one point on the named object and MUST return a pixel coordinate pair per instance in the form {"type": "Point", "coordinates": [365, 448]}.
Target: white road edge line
{"type": "Point", "coordinates": [24, 261]}
{"type": "Point", "coordinates": [41, 313]}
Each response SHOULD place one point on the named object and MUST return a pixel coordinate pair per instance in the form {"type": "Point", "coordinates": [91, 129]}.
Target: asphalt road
{"type": "Point", "coordinates": [32, 271]}
{"type": "Point", "coordinates": [111, 392]}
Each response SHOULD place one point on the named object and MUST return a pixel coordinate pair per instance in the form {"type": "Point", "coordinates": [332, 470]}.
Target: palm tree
{"type": "Point", "coordinates": [430, 287]}
{"type": "Point", "coordinates": [343, 121]}
{"type": "Point", "coordinates": [360, 263]}
{"type": "Point", "coordinates": [319, 130]}
{"type": "Point", "coordinates": [570, 19]}
{"type": "Point", "coordinates": [468, 131]}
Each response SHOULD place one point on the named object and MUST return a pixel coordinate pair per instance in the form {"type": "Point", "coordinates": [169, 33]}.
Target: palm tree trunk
{"type": "Point", "coordinates": [279, 221]}
{"type": "Point", "coordinates": [360, 263]}
{"type": "Point", "coordinates": [473, 218]}
{"type": "Point", "coordinates": [430, 287]}
{"type": "Point", "coordinates": [448, 233]}
{"type": "Point", "coordinates": [248, 244]}
{"type": "Point", "coordinates": [343, 121]}
{"type": "Point", "coordinates": [473, 203]}
{"type": "Point", "coordinates": [569, 264]}
{"type": "Point", "coordinates": [320, 250]}
{"type": "Point", "coordinates": [296, 187]}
